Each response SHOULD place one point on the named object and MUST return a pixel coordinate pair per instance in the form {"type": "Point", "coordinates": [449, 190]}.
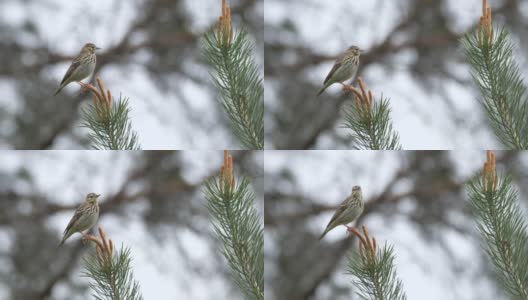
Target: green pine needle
{"type": "Point", "coordinates": [503, 228]}
{"type": "Point", "coordinates": [239, 85]}
{"type": "Point", "coordinates": [113, 281]}
{"type": "Point", "coordinates": [375, 279]}
{"type": "Point", "coordinates": [372, 130]}
{"type": "Point", "coordinates": [498, 78]}
{"type": "Point", "coordinates": [239, 228]}
{"type": "Point", "coordinates": [113, 132]}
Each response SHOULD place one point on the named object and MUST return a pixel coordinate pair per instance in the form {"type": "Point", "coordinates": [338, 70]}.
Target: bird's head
{"type": "Point", "coordinates": [356, 189]}
{"type": "Point", "coordinates": [92, 197]}
{"type": "Point", "coordinates": [90, 48]}
{"type": "Point", "coordinates": [354, 50]}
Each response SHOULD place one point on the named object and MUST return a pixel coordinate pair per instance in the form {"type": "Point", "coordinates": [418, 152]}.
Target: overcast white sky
{"type": "Point", "coordinates": [162, 123]}
{"type": "Point", "coordinates": [160, 268]}
{"type": "Point", "coordinates": [420, 115]}
{"type": "Point", "coordinates": [159, 117]}
{"type": "Point", "coordinates": [424, 267]}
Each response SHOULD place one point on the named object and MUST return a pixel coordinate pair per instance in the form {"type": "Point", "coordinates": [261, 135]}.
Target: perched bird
{"type": "Point", "coordinates": [82, 67]}
{"type": "Point", "coordinates": [349, 210]}
{"type": "Point", "coordinates": [84, 218]}
{"type": "Point", "coordinates": [345, 67]}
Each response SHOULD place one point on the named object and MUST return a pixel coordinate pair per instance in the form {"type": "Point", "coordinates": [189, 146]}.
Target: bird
{"type": "Point", "coordinates": [348, 211]}
{"type": "Point", "coordinates": [345, 67]}
{"type": "Point", "coordinates": [82, 67]}
{"type": "Point", "coordinates": [84, 218]}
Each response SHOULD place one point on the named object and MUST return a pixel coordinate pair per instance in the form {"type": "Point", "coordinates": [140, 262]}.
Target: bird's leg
{"type": "Point", "coordinates": [83, 86]}
{"type": "Point", "coordinates": [349, 229]}
{"type": "Point", "coordinates": [83, 239]}
{"type": "Point", "coordinates": [346, 88]}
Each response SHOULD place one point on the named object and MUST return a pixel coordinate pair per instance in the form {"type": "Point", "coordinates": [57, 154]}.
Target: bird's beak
{"type": "Point", "coordinates": [97, 195]}
{"type": "Point", "coordinates": [361, 51]}
{"type": "Point", "coordinates": [97, 48]}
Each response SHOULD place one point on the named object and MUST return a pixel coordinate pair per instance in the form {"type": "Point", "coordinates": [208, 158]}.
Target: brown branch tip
{"type": "Point", "coordinates": [224, 23]}
{"type": "Point", "coordinates": [485, 24]}
{"type": "Point", "coordinates": [361, 96]}
{"type": "Point", "coordinates": [104, 248]}
{"type": "Point", "coordinates": [102, 98]}
{"type": "Point", "coordinates": [489, 173]}
{"type": "Point", "coordinates": [226, 172]}
{"type": "Point", "coordinates": [367, 246]}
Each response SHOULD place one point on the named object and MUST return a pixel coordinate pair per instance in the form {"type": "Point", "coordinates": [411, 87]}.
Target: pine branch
{"type": "Point", "coordinates": [497, 76]}
{"type": "Point", "coordinates": [373, 270]}
{"type": "Point", "coordinates": [237, 80]}
{"type": "Point", "coordinates": [370, 121]}
{"type": "Point", "coordinates": [494, 202]}
{"type": "Point", "coordinates": [111, 274]}
{"type": "Point", "coordinates": [239, 228]}
{"type": "Point", "coordinates": [108, 121]}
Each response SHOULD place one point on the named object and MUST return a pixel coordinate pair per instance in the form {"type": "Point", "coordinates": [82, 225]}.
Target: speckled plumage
{"type": "Point", "coordinates": [345, 67]}
{"type": "Point", "coordinates": [82, 66]}
{"type": "Point", "coordinates": [349, 210]}
{"type": "Point", "coordinates": [84, 218]}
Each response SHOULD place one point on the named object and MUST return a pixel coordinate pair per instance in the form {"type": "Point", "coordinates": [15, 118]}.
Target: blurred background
{"type": "Point", "coordinates": [413, 56]}
{"type": "Point", "coordinates": [150, 54]}
{"type": "Point", "coordinates": [414, 201]}
{"type": "Point", "coordinates": [151, 202]}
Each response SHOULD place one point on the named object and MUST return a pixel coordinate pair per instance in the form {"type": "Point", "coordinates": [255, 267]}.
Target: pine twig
{"type": "Point", "coordinates": [502, 226]}
{"type": "Point", "coordinates": [239, 228]}
{"type": "Point", "coordinates": [237, 80]}
{"type": "Point", "coordinates": [373, 270]}
{"type": "Point", "coordinates": [370, 120]}
{"type": "Point", "coordinates": [109, 122]}
{"type": "Point", "coordinates": [497, 76]}
{"type": "Point", "coordinates": [111, 274]}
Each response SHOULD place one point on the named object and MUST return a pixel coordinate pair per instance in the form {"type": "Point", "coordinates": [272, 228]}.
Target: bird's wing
{"type": "Point", "coordinates": [336, 66]}
{"type": "Point", "coordinates": [338, 212]}
{"type": "Point", "coordinates": [75, 64]}
{"type": "Point", "coordinates": [75, 218]}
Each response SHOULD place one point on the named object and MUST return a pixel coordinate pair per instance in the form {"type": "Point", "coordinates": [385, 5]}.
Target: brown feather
{"type": "Point", "coordinates": [338, 213]}
{"type": "Point", "coordinates": [72, 68]}
{"type": "Point", "coordinates": [76, 216]}
{"type": "Point", "coordinates": [334, 68]}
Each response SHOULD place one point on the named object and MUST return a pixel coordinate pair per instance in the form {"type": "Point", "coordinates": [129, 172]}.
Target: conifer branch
{"type": "Point", "coordinates": [110, 272]}
{"type": "Point", "coordinates": [498, 78]}
{"type": "Point", "coordinates": [373, 270]}
{"type": "Point", "coordinates": [499, 219]}
{"type": "Point", "coordinates": [109, 122]}
{"type": "Point", "coordinates": [239, 228]}
{"type": "Point", "coordinates": [370, 121]}
{"type": "Point", "coordinates": [236, 77]}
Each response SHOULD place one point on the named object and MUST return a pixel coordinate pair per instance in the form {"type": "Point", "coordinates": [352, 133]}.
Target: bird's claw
{"type": "Point", "coordinates": [83, 86]}
{"type": "Point", "coordinates": [349, 229]}
{"type": "Point", "coordinates": [84, 238]}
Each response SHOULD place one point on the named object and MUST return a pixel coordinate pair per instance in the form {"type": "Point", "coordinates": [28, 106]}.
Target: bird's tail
{"type": "Point", "coordinates": [321, 91]}
{"type": "Point", "coordinates": [326, 85]}
{"type": "Point", "coordinates": [64, 238]}
{"type": "Point", "coordinates": [324, 233]}
{"type": "Point", "coordinates": [58, 90]}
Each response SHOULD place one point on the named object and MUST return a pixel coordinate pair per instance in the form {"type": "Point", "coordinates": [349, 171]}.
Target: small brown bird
{"type": "Point", "coordinates": [349, 210]}
{"type": "Point", "coordinates": [345, 67]}
{"type": "Point", "coordinates": [84, 218]}
{"type": "Point", "coordinates": [82, 67]}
